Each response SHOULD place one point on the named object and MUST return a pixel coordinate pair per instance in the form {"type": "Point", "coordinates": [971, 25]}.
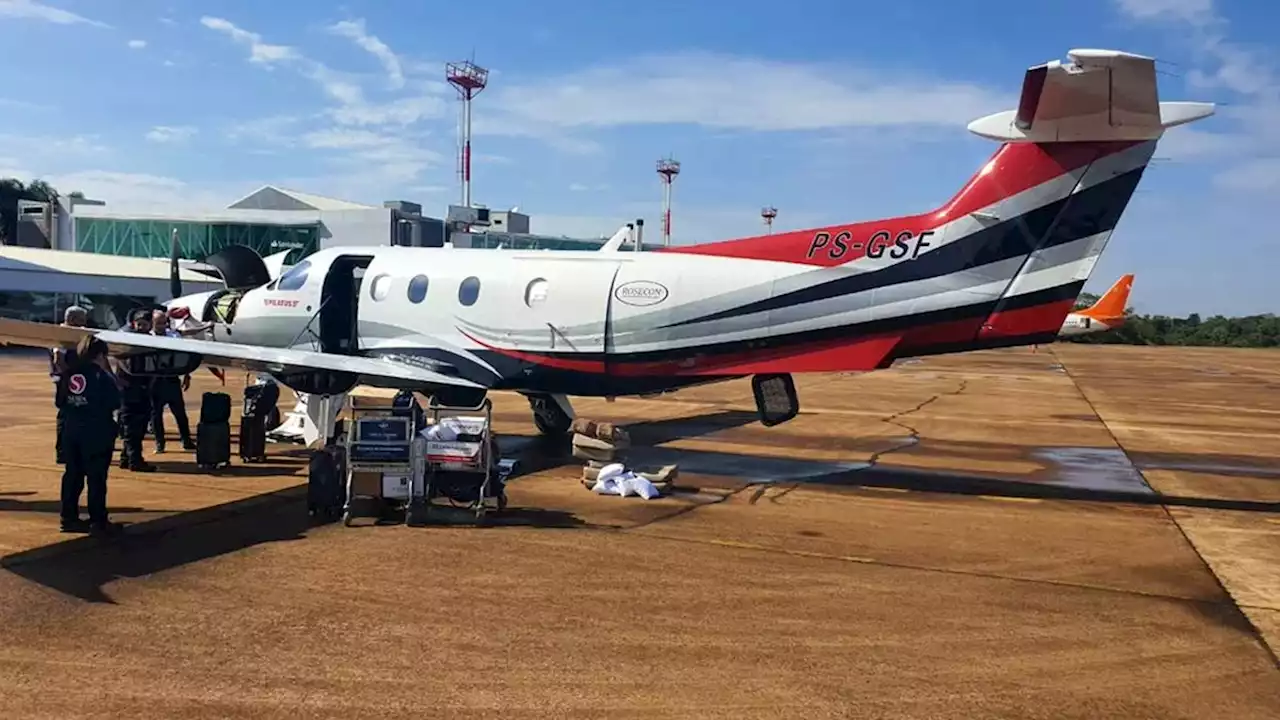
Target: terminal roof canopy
{"type": "Point", "coordinates": [61, 271]}
{"type": "Point", "coordinates": [269, 197]}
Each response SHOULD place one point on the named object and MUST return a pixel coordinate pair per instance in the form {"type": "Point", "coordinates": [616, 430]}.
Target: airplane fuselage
{"type": "Point", "coordinates": [1077, 324]}
{"type": "Point", "coordinates": [585, 323]}
{"type": "Point", "coordinates": [615, 323]}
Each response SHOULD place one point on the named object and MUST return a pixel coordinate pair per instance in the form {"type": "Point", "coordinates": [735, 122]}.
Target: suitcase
{"type": "Point", "coordinates": [327, 483]}
{"type": "Point", "coordinates": [260, 400]}
{"type": "Point", "coordinates": [215, 407]}
{"type": "Point", "coordinates": [253, 439]}
{"type": "Point", "coordinates": [213, 445]}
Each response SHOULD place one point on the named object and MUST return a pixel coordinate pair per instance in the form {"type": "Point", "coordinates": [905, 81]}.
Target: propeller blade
{"type": "Point", "coordinates": [175, 276]}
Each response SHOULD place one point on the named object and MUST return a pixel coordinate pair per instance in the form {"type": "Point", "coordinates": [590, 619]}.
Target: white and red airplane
{"type": "Point", "coordinates": [1105, 314]}
{"type": "Point", "coordinates": [999, 264]}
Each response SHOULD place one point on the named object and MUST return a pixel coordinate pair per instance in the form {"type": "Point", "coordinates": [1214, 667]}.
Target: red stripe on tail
{"type": "Point", "coordinates": [1015, 168]}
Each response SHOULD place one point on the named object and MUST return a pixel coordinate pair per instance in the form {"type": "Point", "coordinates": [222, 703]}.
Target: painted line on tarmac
{"type": "Point", "coordinates": [798, 553]}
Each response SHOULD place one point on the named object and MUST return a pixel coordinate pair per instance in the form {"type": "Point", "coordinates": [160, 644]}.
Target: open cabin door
{"type": "Point", "coordinates": [339, 304]}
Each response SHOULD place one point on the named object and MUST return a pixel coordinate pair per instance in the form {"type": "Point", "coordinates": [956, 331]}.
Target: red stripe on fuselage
{"type": "Point", "coordinates": [854, 354]}
{"type": "Point", "coordinates": [1015, 168]}
{"type": "Point", "coordinates": [1044, 318]}
{"type": "Point", "coordinates": [1027, 321]}
{"type": "Point", "coordinates": [839, 355]}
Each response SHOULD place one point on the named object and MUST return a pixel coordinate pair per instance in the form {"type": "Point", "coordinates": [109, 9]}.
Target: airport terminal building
{"type": "Point", "coordinates": [84, 252]}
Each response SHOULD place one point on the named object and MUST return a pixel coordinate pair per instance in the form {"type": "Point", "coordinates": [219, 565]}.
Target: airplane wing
{"type": "Point", "coordinates": [377, 372]}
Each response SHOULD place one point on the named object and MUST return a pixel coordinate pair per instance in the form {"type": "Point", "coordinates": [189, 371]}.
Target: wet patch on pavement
{"type": "Point", "coordinates": [1090, 468]}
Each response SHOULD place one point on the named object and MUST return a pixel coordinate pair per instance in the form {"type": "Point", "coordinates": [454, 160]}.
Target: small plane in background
{"type": "Point", "coordinates": [1000, 264]}
{"type": "Point", "coordinates": [1105, 314]}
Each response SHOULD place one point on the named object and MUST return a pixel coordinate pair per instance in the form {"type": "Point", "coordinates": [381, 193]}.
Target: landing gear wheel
{"type": "Point", "coordinates": [548, 416]}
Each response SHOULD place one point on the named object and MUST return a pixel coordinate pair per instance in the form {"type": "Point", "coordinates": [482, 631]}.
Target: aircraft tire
{"type": "Point", "coordinates": [548, 417]}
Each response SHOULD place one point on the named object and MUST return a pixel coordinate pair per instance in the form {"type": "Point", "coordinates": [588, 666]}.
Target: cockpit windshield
{"type": "Point", "coordinates": [295, 278]}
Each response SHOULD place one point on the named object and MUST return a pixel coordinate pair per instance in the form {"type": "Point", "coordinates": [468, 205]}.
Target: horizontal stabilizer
{"type": "Point", "coordinates": [1097, 96]}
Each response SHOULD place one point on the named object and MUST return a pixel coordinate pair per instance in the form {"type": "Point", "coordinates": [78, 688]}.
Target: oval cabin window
{"type": "Point", "coordinates": [469, 291]}
{"type": "Point", "coordinates": [536, 293]}
{"type": "Point", "coordinates": [418, 289]}
{"type": "Point", "coordinates": [379, 287]}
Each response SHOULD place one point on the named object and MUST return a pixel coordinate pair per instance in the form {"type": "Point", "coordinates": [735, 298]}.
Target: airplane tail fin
{"type": "Point", "coordinates": [1099, 96]}
{"type": "Point", "coordinates": [1098, 117]}
{"type": "Point", "coordinates": [1112, 303]}
{"type": "Point", "coordinates": [999, 264]}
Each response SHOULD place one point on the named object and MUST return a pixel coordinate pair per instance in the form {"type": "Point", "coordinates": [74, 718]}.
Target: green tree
{"type": "Point", "coordinates": [13, 190]}
{"type": "Point", "coordinates": [1218, 331]}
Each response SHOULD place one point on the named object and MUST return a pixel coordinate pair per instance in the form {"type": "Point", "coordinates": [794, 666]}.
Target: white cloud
{"type": "Point", "coordinates": [50, 148]}
{"type": "Point", "coordinates": [1190, 10]}
{"type": "Point", "coordinates": [689, 225]}
{"type": "Point", "coordinates": [371, 144]}
{"type": "Point", "coordinates": [1233, 67]}
{"type": "Point", "coordinates": [740, 93]}
{"type": "Point", "coordinates": [1256, 176]}
{"type": "Point", "coordinates": [148, 193]}
{"type": "Point", "coordinates": [355, 30]}
{"type": "Point", "coordinates": [137, 44]}
{"type": "Point", "coordinates": [32, 10]}
{"type": "Point", "coordinates": [170, 134]}
{"type": "Point", "coordinates": [259, 51]}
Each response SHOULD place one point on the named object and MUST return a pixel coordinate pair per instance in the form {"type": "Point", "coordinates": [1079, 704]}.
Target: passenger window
{"type": "Point", "coordinates": [469, 291]}
{"type": "Point", "coordinates": [295, 278]}
{"type": "Point", "coordinates": [536, 293]}
{"type": "Point", "coordinates": [379, 287]}
{"type": "Point", "coordinates": [418, 289]}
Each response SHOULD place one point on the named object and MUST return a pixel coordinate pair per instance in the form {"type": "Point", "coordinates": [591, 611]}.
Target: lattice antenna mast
{"type": "Point", "coordinates": [469, 80]}
{"type": "Point", "coordinates": [668, 169]}
{"type": "Point", "coordinates": [769, 212]}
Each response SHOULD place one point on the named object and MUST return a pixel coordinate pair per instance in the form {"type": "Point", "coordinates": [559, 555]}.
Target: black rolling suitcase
{"type": "Point", "coordinates": [259, 402]}
{"type": "Point", "coordinates": [253, 439]}
{"type": "Point", "coordinates": [327, 483]}
{"type": "Point", "coordinates": [213, 432]}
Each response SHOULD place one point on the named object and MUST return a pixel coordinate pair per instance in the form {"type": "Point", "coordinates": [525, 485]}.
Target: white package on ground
{"type": "Point", "coordinates": [615, 479]}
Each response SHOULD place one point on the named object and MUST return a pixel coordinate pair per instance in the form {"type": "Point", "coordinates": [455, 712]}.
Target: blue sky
{"type": "Point", "coordinates": [829, 110]}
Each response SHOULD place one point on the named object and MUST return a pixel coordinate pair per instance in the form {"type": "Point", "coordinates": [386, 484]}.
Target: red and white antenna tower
{"type": "Point", "coordinates": [668, 168]}
{"type": "Point", "coordinates": [468, 79]}
{"type": "Point", "coordinates": [769, 213]}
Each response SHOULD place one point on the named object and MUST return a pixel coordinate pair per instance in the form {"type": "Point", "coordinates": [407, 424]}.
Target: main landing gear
{"type": "Point", "coordinates": [552, 414]}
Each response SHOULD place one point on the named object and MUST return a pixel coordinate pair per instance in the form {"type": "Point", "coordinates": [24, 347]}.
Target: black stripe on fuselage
{"type": "Point", "coordinates": [1089, 212]}
{"type": "Point", "coordinates": [461, 365]}
{"type": "Point", "coordinates": [529, 375]}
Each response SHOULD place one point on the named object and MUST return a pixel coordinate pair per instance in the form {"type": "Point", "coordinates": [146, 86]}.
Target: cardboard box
{"type": "Point", "coordinates": [366, 484]}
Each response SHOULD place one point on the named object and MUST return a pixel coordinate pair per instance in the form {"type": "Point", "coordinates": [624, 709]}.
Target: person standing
{"type": "Point", "coordinates": [135, 410]}
{"type": "Point", "coordinates": [168, 392]}
{"type": "Point", "coordinates": [87, 399]}
{"type": "Point", "coordinates": [60, 360]}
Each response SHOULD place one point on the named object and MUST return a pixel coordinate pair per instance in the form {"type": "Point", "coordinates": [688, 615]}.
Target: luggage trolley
{"type": "Point", "coordinates": [462, 462]}
{"type": "Point", "coordinates": [379, 458]}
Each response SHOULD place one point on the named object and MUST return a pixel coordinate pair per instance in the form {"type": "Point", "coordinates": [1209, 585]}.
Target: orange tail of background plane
{"type": "Point", "coordinates": [1110, 307]}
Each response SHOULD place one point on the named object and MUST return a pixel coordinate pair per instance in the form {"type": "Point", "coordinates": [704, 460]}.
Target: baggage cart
{"type": "Point", "coordinates": [379, 457]}
{"type": "Point", "coordinates": [462, 464]}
